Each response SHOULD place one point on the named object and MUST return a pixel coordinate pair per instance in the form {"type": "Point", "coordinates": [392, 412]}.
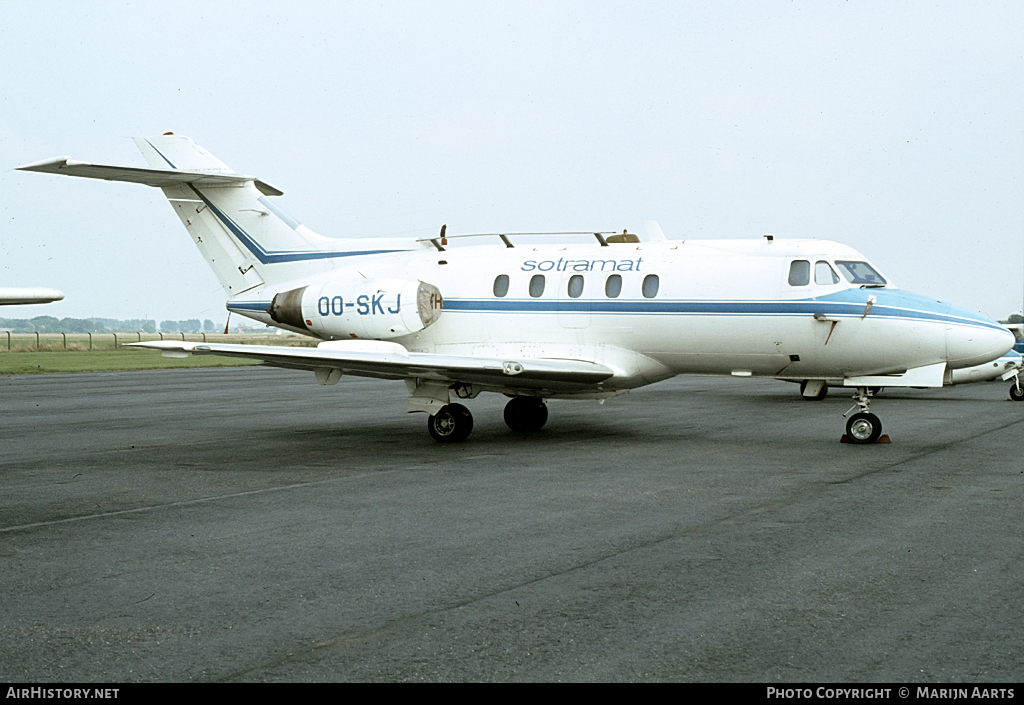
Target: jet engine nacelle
{"type": "Point", "coordinates": [361, 308]}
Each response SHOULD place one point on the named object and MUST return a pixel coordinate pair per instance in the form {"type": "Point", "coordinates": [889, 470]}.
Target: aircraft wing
{"type": "Point", "coordinates": [149, 177]}
{"type": "Point", "coordinates": [392, 361]}
{"type": "Point", "coordinates": [29, 296]}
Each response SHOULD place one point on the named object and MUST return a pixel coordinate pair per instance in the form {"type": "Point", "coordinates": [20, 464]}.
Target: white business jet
{"type": "Point", "coordinates": [457, 316]}
{"type": "Point", "coordinates": [1005, 368]}
{"type": "Point", "coordinates": [33, 295]}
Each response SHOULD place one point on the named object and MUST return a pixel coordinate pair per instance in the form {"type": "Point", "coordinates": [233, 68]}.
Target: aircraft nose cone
{"type": "Point", "coordinates": [968, 345]}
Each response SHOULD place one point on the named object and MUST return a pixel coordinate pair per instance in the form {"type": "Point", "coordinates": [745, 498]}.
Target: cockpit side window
{"type": "Point", "coordinates": [860, 273]}
{"type": "Point", "coordinates": [824, 274]}
{"type": "Point", "coordinates": [800, 273]}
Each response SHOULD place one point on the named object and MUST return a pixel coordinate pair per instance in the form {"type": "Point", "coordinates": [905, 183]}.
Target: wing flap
{"type": "Point", "coordinates": [392, 361]}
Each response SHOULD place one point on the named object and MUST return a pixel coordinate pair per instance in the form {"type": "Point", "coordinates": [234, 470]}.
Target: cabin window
{"type": "Point", "coordinates": [575, 286]}
{"type": "Point", "coordinates": [800, 273]}
{"type": "Point", "coordinates": [501, 285]}
{"type": "Point", "coordinates": [537, 285]}
{"type": "Point", "coordinates": [650, 286]}
{"type": "Point", "coordinates": [613, 286]}
{"type": "Point", "coordinates": [860, 273]}
{"type": "Point", "coordinates": [824, 274]}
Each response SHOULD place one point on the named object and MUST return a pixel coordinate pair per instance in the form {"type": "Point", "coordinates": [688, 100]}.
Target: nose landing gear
{"type": "Point", "coordinates": [863, 427]}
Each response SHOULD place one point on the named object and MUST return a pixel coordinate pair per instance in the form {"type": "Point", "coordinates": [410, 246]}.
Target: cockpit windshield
{"type": "Point", "coordinates": [860, 273]}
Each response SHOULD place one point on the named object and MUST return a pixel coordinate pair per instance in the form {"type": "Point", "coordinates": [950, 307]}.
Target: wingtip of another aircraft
{"type": "Point", "coordinates": [34, 295]}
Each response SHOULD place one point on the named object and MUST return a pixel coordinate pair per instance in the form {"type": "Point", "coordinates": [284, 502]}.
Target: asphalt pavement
{"type": "Point", "coordinates": [250, 525]}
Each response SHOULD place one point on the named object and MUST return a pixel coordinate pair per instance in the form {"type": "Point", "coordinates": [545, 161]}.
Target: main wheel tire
{"type": "Point", "coordinates": [1016, 393]}
{"type": "Point", "coordinates": [526, 414]}
{"type": "Point", "coordinates": [817, 397]}
{"type": "Point", "coordinates": [863, 428]}
{"type": "Point", "coordinates": [452, 424]}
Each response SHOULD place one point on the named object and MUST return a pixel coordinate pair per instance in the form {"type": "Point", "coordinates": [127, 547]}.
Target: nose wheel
{"type": "Point", "coordinates": [863, 427]}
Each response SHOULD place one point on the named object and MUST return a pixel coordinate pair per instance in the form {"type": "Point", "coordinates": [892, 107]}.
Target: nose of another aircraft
{"type": "Point", "coordinates": [970, 344]}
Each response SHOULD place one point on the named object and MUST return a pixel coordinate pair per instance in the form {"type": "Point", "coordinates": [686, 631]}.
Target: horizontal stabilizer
{"type": "Point", "coordinates": [392, 361]}
{"type": "Point", "coordinates": [149, 177]}
{"type": "Point", "coordinates": [927, 376]}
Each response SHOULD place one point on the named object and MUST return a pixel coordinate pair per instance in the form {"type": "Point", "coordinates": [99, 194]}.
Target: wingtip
{"type": "Point", "coordinates": [50, 164]}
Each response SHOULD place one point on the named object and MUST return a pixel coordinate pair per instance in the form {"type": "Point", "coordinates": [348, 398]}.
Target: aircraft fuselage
{"type": "Point", "coordinates": [649, 311]}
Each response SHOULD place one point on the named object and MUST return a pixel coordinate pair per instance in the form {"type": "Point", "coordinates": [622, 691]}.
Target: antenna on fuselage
{"type": "Point", "coordinates": [440, 240]}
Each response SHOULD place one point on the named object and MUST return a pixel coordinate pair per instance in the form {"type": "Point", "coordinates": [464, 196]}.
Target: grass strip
{"type": "Point", "coordinates": [51, 361]}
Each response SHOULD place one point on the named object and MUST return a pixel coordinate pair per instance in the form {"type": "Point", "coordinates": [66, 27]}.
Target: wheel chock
{"type": "Point", "coordinates": [884, 438]}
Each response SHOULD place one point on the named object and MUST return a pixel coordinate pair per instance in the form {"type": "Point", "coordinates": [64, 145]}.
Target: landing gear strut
{"type": "Point", "coordinates": [452, 424]}
{"type": "Point", "coordinates": [526, 414]}
{"type": "Point", "coordinates": [863, 427]}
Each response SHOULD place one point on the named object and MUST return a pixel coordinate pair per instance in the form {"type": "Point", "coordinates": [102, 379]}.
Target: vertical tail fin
{"type": "Point", "coordinates": [246, 240]}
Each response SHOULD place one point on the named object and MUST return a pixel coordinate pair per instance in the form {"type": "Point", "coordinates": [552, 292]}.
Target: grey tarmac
{"type": "Point", "coordinates": [249, 525]}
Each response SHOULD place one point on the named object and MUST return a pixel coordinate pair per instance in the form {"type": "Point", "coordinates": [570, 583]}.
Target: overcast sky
{"type": "Point", "coordinates": [894, 127]}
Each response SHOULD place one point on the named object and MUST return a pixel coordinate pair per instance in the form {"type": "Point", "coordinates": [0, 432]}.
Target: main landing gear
{"type": "Point", "coordinates": [453, 423]}
{"type": "Point", "coordinates": [526, 414]}
{"type": "Point", "coordinates": [862, 427]}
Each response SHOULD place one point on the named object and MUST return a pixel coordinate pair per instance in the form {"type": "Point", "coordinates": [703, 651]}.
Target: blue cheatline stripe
{"type": "Point", "coordinates": [693, 308]}
{"type": "Point", "coordinates": [698, 308]}
{"type": "Point", "coordinates": [276, 257]}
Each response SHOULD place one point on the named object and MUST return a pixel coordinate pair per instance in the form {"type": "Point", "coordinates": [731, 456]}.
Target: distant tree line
{"type": "Point", "coordinates": [50, 324]}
